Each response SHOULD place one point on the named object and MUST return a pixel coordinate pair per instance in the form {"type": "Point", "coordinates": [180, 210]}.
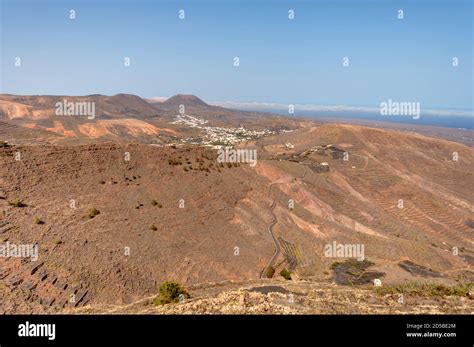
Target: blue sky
{"type": "Point", "coordinates": [281, 60]}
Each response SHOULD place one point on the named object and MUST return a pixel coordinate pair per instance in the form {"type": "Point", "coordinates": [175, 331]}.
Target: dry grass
{"type": "Point", "coordinates": [426, 289]}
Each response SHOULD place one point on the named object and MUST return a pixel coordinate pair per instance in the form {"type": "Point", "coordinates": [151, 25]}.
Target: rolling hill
{"type": "Point", "coordinates": [126, 117]}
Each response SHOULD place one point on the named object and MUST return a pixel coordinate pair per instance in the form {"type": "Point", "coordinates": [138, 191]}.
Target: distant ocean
{"type": "Point", "coordinates": [447, 121]}
{"type": "Point", "coordinates": [459, 119]}
{"type": "Point", "coordinates": [455, 121]}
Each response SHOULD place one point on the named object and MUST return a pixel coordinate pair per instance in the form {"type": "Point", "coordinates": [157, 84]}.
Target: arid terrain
{"type": "Point", "coordinates": [136, 196]}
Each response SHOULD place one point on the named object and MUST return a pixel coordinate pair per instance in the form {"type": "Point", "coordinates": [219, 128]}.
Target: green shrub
{"type": "Point", "coordinates": [153, 227]}
{"type": "Point", "coordinates": [285, 274]}
{"type": "Point", "coordinates": [93, 212]}
{"type": "Point", "coordinates": [269, 272]}
{"type": "Point", "coordinates": [173, 162]}
{"type": "Point", "coordinates": [17, 203]}
{"type": "Point", "coordinates": [156, 203]}
{"type": "Point", "coordinates": [170, 292]}
{"type": "Point", "coordinates": [358, 264]}
{"type": "Point", "coordinates": [38, 220]}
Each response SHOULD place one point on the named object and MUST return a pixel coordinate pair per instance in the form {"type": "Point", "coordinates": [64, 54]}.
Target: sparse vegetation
{"type": "Point", "coordinates": [58, 242]}
{"type": "Point", "coordinates": [174, 162]}
{"type": "Point", "coordinates": [269, 272]}
{"type": "Point", "coordinates": [285, 274]}
{"type": "Point", "coordinates": [93, 213]}
{"type": "Point", "coordinates": [170, 292]}
{"type": "Point", "coordinates": [156, 203]}
{"type": "Point", "coordinates": [426, 289]}
{"type": "Point", "coordinates": [362, 264]}
{"type": "Point", "coordinates": [17, 203]}
{"type": "Point", "coordinates": [38, 220]}
{"type": "Point", "coordinates": [153, 227]}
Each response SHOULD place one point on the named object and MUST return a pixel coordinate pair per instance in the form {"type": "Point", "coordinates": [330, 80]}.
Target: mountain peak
{"type": "Point", "coordinates": [186, 100]}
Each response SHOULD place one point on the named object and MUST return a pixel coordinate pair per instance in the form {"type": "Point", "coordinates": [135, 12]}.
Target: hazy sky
{"type": "Point", "coordinates": [281, 60]}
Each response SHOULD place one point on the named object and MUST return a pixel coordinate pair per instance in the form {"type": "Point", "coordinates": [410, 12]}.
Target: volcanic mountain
{"type": "Point", "coordinates": [126, 117]}
{"type": "Point", "coordinates": [224, 117]}
{"type": "Point", "coordinates": [187, 100]}
{"type": "Point", "coordinates": [122, 117]}
{"type": "Point", "coordinates": [43, 106]}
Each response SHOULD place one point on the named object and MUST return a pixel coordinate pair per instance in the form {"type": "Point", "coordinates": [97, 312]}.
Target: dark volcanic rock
{"type": "Point", "coordinates": [416, 269]}
{"type": "Point", "coordinates": [353, 271]}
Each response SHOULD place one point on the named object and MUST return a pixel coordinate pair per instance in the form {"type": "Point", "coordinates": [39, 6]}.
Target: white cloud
{"type": "Point", "coordinates": [157, 99]}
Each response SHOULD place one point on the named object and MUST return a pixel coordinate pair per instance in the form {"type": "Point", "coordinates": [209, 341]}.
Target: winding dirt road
{"type": "Point", "coordinates": [272, 224]}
